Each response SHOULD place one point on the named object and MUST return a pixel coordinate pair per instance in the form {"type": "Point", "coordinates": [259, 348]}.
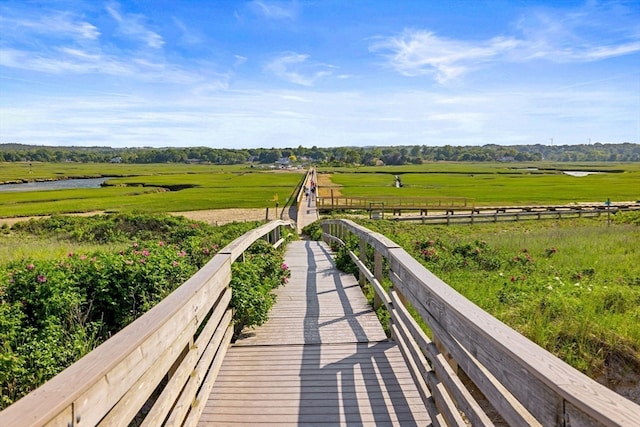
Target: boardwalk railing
{"type": "Point", "coordinates": [422, 204]}
{"type": "Point", "coordinates": [524, 383]}
{"type": "Point", "coordinates": [515, 215]}
{"type": "Point", "coordinates": [162, 365]}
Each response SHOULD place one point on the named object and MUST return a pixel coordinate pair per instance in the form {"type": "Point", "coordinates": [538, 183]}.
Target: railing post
{"type": "Point", "coordinates": [377, 272]}
{"type": "Point", "coordinates": [363, 258]}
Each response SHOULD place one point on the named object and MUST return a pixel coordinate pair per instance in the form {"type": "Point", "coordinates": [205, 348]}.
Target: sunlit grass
{"type": "Point", "coordinates": [571, 286]}
{"type": "Point", "coordinates": [44, 248]}
{"type": "Point", "coordinates": [494, 184]}
{"type": "Point", "coordinates": [169, 191]}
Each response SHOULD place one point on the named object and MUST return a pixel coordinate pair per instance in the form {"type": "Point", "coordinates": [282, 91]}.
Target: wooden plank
{"type": "Point", "coordinates": [443, 370]}
{"type": "Point", "coordinates": [98, 399]}
{"type": "Point", "coordinates": [97, 381]}
{"type": "Point", "coordinates": [216, 349]}
{"type": "Point", "coordinates": [209, 380]}
{"type": "Point", "coordinates": [499, 396]}
{"type": "Point", "coordinates": [167, 399]}
{"type": "Point", "coordinates": [352, 381]}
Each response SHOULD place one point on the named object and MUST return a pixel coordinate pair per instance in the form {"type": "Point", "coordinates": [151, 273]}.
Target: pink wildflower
{"type": "Point", "coordinates": [30, 266]}
{"type": "Point", "coordinates": [41, 278]}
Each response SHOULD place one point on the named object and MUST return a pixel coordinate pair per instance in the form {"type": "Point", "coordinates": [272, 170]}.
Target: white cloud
{"type": "Point", "coordinates": [418, 52]}
{"type": "Point", "coordinates": [296, 68]}
{"type": "Point", "coordinates": [580, 35]}
{"type": "Point", "coordinates": [54, 24]}
{"type": "Point", "coordinates": [132, 25]}
{"type": "Point", "coordinates": [243, 119]}
{"type": "Point", "coordinates": [274, 10]}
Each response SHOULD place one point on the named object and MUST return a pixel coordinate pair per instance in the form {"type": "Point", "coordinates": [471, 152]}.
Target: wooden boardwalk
{"type": "Point", "coordinates": [322, 359]}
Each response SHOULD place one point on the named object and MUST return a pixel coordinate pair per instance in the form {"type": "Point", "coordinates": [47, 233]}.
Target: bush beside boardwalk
{"type": "Point", "coordinates": [55, 309]}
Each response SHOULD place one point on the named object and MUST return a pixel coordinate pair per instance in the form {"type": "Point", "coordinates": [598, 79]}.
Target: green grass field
{"type": "Point", "coordinates": [153, 188]}
{"type": "Point", "coordinates": [571, 286]}
{"type": "Point", "coordinates": [494, 184]}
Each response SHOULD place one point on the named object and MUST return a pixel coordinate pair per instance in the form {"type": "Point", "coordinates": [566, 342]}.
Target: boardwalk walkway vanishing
{"type": "Point", "coordinates": [321, 359]}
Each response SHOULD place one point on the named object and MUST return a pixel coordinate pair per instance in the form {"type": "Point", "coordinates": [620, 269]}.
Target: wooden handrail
{"type": "Point", "coordinates": [180, 342]}
{"type": "Point", "coordinates": [526, 384]}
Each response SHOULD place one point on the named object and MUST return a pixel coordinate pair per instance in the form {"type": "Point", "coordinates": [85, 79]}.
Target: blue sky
{"type": "Point", "coordinates": [326, 73]}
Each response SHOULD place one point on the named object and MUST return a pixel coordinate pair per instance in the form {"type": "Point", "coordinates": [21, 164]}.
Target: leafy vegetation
{"type": "Point", "coordinates": [55, 308]}
{"type": "Point", "coordinates": [371, 156]}
{"type": "Point", "coordinates": [571, 286]}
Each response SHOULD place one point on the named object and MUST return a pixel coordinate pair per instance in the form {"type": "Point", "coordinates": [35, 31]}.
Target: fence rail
{"type": "Point", "coordinates": [332, 203]}
{"type": "Point", "coordinates": [517, 215]}
{"type": "Point", "coordinates": [173, 353]}
{"type": "Point", "coordinates": [523, 382]}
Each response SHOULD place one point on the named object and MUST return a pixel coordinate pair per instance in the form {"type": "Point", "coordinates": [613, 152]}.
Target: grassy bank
{"type": "Point", "coordinates": [571, 286]}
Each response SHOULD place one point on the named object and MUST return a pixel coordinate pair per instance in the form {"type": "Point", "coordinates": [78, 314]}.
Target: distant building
{"type": "Point", "coordinates": [116, 160]}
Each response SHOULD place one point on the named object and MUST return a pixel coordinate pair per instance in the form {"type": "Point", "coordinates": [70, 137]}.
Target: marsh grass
{"type": "Point", "coordinates": [169, 190]}
{"type": "Point", "coordinates": [571, 286]}
{"type": "Point", "coordinates": [494, 184]}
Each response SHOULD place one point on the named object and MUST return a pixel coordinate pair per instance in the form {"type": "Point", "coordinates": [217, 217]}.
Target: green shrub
{"type": "Point", "coordinates": [252, 283]}
{"type": "Point", "coordinates": [54, 311]}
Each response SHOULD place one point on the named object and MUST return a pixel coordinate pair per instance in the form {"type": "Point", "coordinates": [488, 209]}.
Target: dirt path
{"type": "Point", "coordinates": [211, 216]}
{"type": "Point", "coordinates": [325, 185]}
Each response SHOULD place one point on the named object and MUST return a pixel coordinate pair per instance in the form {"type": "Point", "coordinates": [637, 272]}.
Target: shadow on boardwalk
{"type": "Point", "coordinates": [321, 359]}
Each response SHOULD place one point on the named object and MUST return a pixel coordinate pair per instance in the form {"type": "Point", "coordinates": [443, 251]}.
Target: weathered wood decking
{"type": "Point", "coordinates": [321, 359]}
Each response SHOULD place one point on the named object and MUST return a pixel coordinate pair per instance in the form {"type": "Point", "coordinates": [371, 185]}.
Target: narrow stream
{"type": "Point", "coordinates": [54, 185]}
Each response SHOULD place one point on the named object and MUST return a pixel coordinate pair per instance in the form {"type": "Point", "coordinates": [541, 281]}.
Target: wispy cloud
{"type": "Point", "coordinates": [54, 24]}
{"type": "Point", "coordinates": [275, 10]}
{"type": "Point", "coordinates": [418, 52]}
{"type": "Point", "coordinates": [133, 25]}
{"type": "Point", "coordinates": [580, 35]}
{"type": "Point", "coordinates": [296, 68]}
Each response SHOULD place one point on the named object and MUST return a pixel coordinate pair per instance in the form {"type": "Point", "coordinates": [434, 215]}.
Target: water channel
{"type": "Point", "coordinates": [63, 184]}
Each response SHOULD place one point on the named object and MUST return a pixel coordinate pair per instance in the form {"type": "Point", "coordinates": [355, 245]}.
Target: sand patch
{"type": "Point", "coordinates": [325, 185]}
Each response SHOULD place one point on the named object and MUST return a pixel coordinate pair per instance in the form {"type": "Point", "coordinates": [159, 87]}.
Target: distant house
{"type": "Point", "coordinates": [116, 160]}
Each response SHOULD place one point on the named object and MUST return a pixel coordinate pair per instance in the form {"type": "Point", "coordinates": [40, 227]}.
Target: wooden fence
{"type": "Point", "coordinates": [332, 203]}
{"type": "Point", "coordinates": [518, 215]}
{"type": "Point", "coordinates": [524, 383]}
{"type": "Point", "coordinates": [163, 364]}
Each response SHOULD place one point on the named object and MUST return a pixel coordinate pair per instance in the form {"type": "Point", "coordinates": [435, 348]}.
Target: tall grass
{"type": "Point", "coordinates": [166, 192]}
{"type": "Point", "coordinates": [571, 286]}
{"type": "Point", "coordinates": [494, 184]}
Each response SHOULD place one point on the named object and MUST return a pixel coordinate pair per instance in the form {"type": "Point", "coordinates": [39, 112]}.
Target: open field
{"type": "Point", "coordinates": [33, 171]}
{"type": "Point", "coordinates": [156, 188]}
{"type": "Point", "coordinates": [571, 286]}
{"type": "Point", "coordinates": [491, 184]}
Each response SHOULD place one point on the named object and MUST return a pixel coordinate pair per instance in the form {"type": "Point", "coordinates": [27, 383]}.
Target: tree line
{"type": "Point", "coordinates": [369, 156]}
